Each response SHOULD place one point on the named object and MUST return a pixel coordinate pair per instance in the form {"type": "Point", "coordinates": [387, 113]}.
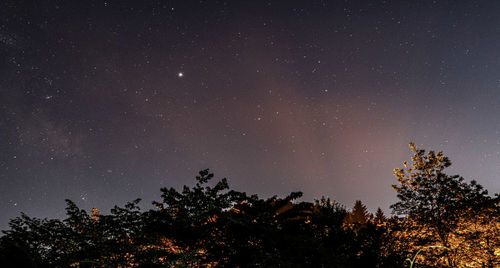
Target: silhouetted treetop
{"type": "Point", "coordinates": [209, 224]}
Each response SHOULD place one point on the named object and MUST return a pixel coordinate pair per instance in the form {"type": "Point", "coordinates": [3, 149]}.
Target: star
{"type": "Point", "coordinates": [180, 74]}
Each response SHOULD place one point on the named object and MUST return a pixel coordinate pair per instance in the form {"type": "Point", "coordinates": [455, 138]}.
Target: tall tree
{"type": "Point", "coordinates": [359, 214]}
{"type": "Point", "coordinates": [188, 219]}
{"type": "Point", "coordinates": [434, 202]}
{"type": "Point", "coordinates": [379, 216]}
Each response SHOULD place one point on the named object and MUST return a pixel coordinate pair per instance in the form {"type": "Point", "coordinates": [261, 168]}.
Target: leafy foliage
{"type": "Point", "coordinates": [436, 205]}
{"type": "Point", "coordinates": [211, 225]}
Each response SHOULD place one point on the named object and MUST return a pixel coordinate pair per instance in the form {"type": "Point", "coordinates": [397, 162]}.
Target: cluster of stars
{"type": "Point", "coordinates": [315, 96]}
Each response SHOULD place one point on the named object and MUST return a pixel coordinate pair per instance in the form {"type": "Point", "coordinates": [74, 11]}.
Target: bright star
{"type": "Point", "coordinates": [180, 74]}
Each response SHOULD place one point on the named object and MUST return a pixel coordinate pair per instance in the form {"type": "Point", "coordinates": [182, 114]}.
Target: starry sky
{"type": "Point", "coordinates": [103, 102]}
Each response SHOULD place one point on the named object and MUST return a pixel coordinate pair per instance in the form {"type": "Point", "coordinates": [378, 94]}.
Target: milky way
{"type": "Point", "coordinates": [103, 102]}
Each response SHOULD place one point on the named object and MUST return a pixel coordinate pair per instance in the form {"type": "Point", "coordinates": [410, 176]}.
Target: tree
{"type": "Point", "coordinates": [367, 247]}
{"type": "Point", "coordinates": [188, 220]}
{"type": "Point", "coordinates": [81, 239]}
{"type": "Point", "coordinates": [379, 216]}
{"type": "Point", "coordinates": [359, 214]}
{"type": "Point", "coordinates": [433, 202]}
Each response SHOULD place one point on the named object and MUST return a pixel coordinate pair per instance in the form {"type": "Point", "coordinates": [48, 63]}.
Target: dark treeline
{"type": "Point", "coordinates": [210, 224]}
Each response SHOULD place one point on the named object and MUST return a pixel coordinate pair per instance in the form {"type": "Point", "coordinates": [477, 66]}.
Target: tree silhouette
{"type": "Point", "coordinates": [380, 217]}
{"type": "Point", "coordinates": [211, 225]}
{"type": "Point", "coordinates": [359, 214]}
{"type": "Point", "coordinates": [188, 219]}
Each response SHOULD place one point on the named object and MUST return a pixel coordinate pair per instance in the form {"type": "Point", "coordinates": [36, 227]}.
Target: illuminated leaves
{"type": "Point", "coordinates": [437, 205]}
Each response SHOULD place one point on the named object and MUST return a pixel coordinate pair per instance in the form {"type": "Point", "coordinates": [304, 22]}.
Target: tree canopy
{"type": "Point", "coordinates": [437, 205]}
{"type": "Point", "coordinates": [211, 224]}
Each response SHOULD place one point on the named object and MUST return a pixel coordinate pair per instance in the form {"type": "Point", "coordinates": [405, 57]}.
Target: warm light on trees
{"type": "Point", "coordinates": [211, 225]}
{"type": "Point", "coordinates": [438, 207]}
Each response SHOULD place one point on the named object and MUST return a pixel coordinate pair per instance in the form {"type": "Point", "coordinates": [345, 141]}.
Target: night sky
{"type": "Point", "coordinates": [103, 102]}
